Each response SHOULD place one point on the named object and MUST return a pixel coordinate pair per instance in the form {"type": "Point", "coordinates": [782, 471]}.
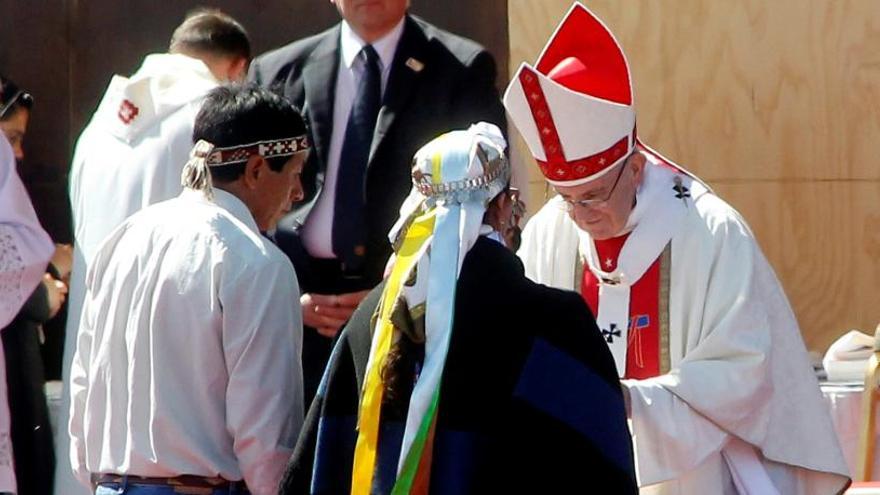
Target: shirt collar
{"type": "Point", "coordinates": [229, 202]}
{"type": "Point", "coordinates": [385, 46]}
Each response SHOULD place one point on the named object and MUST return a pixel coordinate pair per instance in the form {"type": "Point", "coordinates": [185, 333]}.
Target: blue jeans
{"type": "Point", "coordinates": [134, 488]}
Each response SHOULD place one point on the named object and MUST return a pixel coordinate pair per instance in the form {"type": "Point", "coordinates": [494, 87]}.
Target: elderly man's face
{"type": "Point", "coordinates": [605, 219]}
{"type": "Point", "coordinates": [372, 19]}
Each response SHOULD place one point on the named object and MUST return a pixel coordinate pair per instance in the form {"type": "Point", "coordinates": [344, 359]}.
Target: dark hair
{"type": "Point", "coordinates": [211, 31]}
{"type": "Point", "coordinates": [399, 374]}
{"type": "Point", "coordinates": [12, 98]}
{"type": "Point", "coordinates": [237, 114]}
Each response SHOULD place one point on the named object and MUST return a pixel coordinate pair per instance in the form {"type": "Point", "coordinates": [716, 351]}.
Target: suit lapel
{"type": "Point", "coordinates": [319, 77]}
{"type": "Point", "coordinates": [409, 60]}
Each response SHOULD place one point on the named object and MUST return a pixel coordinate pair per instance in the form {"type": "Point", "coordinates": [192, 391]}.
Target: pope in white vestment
{"type": "Point", "coordinates": [723, 396]}
{"type": "Point", "coordinates": [129, 156]}
{"type": "Point", "coordinates": [25, 250]}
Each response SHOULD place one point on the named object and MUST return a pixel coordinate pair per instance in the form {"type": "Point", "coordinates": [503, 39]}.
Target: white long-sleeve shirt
{"type": "Point", "coordinates": [129, 156]}
{"type": "Point", "coordinates": [188, 354]}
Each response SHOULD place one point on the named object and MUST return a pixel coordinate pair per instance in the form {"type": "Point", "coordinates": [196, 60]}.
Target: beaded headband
{"type": "Point", "coordinates": [218, 157]}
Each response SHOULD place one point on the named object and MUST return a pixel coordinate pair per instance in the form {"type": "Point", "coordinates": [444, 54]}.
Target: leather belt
{"type": "Point", "coordinates": [185, 484]}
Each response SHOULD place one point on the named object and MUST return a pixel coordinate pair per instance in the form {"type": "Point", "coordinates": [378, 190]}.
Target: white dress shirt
{"type": "Point", "coordinates": [119, 168]}
{"type": "Point", "coordinates": [188, 356]}
{"type": "Point", "coordinates": [318, 229]}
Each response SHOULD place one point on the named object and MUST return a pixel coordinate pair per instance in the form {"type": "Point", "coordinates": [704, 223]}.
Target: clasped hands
{"type": "Point", "coordinates": [328, 312]}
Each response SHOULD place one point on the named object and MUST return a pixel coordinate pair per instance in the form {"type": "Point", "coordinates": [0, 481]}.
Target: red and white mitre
{"type": "Point", "coordinates": [575, 108]}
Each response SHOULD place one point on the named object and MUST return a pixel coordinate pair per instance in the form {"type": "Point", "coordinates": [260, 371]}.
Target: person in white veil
{"type": "Point", "coordinates": [25, 250]}
{"type": "Point", "coordinates": [458, 371]}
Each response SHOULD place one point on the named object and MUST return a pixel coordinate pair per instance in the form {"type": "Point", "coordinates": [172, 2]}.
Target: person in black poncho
{"type": "Point", "coordinates": [457, 374]}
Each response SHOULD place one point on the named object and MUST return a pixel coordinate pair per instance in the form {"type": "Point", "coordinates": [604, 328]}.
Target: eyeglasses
{"type": "Point", "coordinates": [571, 204]}
{"type": "Point", "coordinates": [26, 100]}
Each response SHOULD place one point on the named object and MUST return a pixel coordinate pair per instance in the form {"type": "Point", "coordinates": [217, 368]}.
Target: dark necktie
{"type": "Point", "coordinates": [349, 229]}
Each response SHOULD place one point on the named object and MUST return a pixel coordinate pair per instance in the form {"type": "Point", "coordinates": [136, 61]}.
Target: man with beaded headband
{"type": "Point", "coordinates": [187, 372]}
{"type": "Point", "coordinates": [133, 149]}
{"type": "Point", "coordinates": [722, 395]}
{"type": "Point", "coordinates": [457, 374]}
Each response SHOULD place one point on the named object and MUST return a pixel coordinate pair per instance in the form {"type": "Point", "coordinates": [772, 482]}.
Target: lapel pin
{"type": "Point", "coordinates": [414, 64]}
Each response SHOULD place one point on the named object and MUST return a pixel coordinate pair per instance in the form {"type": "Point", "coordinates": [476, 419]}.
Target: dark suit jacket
{"type": "Point", "coordinates": [454, 88]}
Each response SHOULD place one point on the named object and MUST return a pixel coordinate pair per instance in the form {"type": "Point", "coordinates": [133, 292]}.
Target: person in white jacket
{"type": "Point", "coordinates": [25, 250]}
{"type": "Point", "coordinates": [722, 396]}
{"type": "Point", "coordinates": [130, 155]}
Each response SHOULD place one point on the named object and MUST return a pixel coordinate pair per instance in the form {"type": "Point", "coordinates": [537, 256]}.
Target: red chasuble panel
{"type": "Point", "coordinates": [643, 348]}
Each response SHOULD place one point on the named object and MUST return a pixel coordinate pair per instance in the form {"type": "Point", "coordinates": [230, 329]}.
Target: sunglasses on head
{"type": "Point", "coordinates": [20, 96]}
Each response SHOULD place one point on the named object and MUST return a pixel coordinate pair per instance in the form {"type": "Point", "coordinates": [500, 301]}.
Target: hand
{"type": "Point", "coordinates": [57, 292]}
{"type": "Point", "coordinates": [513, 233]}
{"type": "Point", "coordinates": [513, 238]}
{"type": "Point", "coordinates": [62, 260]}
{"type": "Point", "coordinates": [327, 313]}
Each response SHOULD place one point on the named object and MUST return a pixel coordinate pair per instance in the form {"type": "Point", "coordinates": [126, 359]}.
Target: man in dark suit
{"type": "Point", "coordinates": [427, 82]}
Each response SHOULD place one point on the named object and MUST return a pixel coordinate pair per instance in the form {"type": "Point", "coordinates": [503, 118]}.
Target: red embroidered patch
{"type": "Point", "coordinates": [127, 112]}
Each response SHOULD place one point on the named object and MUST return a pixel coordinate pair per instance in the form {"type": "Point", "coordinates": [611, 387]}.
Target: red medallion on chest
{"type": "Point", "coordinates": [643, 347]}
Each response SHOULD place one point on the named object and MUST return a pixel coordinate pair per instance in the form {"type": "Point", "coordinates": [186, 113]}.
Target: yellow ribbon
{"type": "Point", "coordinates": [371, 403]}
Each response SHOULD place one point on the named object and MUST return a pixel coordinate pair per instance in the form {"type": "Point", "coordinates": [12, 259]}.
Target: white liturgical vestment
{"type": "Point", "coordinates": [129, 156]}
{"type": "Point", "coordinates": [188, 356]}
{"type": "Point", "coordinates": [25, 250]}
{"type": "Point", "coordinates": [740, 406]}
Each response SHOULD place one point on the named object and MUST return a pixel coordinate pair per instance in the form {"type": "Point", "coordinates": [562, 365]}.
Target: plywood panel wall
{"type": "Point", "coordinates": [775, 104]}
